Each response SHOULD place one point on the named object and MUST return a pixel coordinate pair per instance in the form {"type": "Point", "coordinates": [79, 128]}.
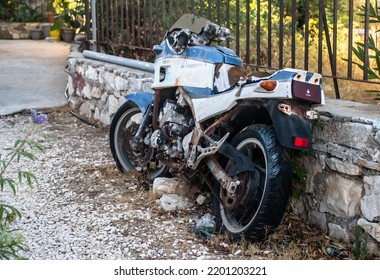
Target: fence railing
{"type": "Point", "coordinates": [319, 36]}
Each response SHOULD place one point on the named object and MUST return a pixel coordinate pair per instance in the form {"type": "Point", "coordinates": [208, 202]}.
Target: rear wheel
{"type": "Point", "coordinates": [129, 157]}
{"type": "Point", "coordinates": [259, 203]}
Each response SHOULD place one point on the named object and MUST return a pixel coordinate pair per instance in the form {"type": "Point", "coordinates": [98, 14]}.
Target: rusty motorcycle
{"type": "Point", "coordinates": [211, 123]}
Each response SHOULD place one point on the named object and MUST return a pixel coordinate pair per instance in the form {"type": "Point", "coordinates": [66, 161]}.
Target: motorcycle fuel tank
{"type": "Point", "coordinates": [194, 68]}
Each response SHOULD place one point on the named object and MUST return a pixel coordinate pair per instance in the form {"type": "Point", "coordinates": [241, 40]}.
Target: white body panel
{"type": "Point", "coordinates": [213, 105]}
{"type": "Point", "coordinates": [183, 72]}
{"type": "Point", "coordinates": [210, 106]}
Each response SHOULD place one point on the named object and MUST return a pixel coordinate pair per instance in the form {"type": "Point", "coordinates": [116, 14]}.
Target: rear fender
{"type": "Point", "coordinates": [290, 127]}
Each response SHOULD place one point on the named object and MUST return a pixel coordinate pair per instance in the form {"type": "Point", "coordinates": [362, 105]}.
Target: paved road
{"type": "Point", "coordinates": [32, 75]}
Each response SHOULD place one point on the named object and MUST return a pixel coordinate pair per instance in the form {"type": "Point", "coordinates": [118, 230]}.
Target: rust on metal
{"type": "Point", "coordinates": [156, 102]}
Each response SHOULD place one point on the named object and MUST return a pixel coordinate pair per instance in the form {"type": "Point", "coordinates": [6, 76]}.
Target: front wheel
{"type": "Point", "coordinates": [259, 203]}
{"type": "Point", "coordinates": [129, 157]}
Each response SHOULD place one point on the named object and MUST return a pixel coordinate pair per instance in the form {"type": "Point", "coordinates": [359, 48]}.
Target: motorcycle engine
{"type": "Point", "coordinates": [174, 126]}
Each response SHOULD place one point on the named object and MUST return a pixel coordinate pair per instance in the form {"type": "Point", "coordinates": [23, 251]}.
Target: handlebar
{"type": "Point", "coordinates": [211, 31]}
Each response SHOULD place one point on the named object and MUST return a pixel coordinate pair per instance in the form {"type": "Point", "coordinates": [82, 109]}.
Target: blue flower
{"type": "Point", "coordinates": [38, 118]}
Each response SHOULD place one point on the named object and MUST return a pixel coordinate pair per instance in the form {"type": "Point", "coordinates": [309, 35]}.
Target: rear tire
{"type": "Point", "coordinates": [124, 126]}
{"type": "Point", "coordinates": [258, 205]}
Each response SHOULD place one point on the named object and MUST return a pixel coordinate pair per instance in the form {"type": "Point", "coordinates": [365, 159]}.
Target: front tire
{"type": "Point", "coordinates": [124, 126]}
{"type": "Point", "coordinates": [260, 201]}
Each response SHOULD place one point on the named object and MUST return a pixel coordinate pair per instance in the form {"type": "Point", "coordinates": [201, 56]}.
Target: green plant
{"type": "Point", "coordinates": [70, 14]}
{"type": "Point", "coordinates": [373, 60]}
{"type": "Point", "coordinates": [360, 249]}
{"type": "Point", "coordinates": [20, 11]}
{"type": "Point", "coordinates": [11, 240]}
{"type": "Point", "coordinates": [299, 171]}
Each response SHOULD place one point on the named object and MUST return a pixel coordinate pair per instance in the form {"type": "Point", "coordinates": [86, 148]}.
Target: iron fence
{"type": "Point", "coordinates": [336, 38]}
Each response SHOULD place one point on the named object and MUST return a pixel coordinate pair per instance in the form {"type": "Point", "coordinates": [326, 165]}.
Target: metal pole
{"type": "Point", "coordinates": [330, 51]}
{"type": "Point", "coordinates": [141, 65]}
{"type": "Point", "coordinates": [93, 21]}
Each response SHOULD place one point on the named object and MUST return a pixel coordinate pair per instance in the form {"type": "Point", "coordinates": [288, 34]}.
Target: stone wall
{"type": "Point", "coordinates": [97, 89]}
{"type": "Point", "coordinates": [342, 187]}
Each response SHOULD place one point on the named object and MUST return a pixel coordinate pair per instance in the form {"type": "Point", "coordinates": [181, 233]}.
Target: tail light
{"type": "Point", "coordinates": [300, 142]}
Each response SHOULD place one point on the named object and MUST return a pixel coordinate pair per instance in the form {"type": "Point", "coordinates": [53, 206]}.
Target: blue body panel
{"type": "Point", "coordinates": [230, 56]}
{"type": "Point", "coordinates": [196, 91]}
{"type": "Point", "coordinates": [202, 53]}
{"type": "Point", "coordinates": [141, 99]}
{"type": "Point", "coordinates": [283, 75]}
{"type": "Point", "coordinates": [213, 55]}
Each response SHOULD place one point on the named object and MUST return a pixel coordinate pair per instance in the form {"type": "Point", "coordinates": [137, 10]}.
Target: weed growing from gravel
{"type": "Point", "coordinates": [11, 239]}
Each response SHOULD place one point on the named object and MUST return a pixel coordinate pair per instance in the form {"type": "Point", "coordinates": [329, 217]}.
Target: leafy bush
{"type": "Point", "coordinates": [70, 14]}
{"type": "Point", "coordinates": [373, 62]}
{"type": "Point", "coordinates": [20, 11]}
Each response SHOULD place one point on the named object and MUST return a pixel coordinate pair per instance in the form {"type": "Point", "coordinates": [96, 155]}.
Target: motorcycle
{"type": "Point", "coordinates": [211, 123]}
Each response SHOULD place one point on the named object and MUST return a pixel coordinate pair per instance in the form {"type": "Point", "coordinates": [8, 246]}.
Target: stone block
{"type": "Point", "coordinates": [70, 85]}
{"type": "Point", "coordinates": [101, 79]}
{"type": "Point", "coordinates": [117, 94]}
{"type": "Point", "coordinates": [122, 101]}
{"type": "Point", "coordinates": [86, 109]}
{"type": "Point", "coordinates": [338, 232]}
{"type": "Point", "coordinates": [201, 199]}
{"type": "Point", "coordinates": [373, 229]}
{"type": "Point", "coordinates": [174, 202]}
{"type": "Point", "coordinates": [96, 93]}
{"type": "Point", "coordinates": [370, 203]}
{"type": "Point", "coordinates": [342, 152]}
{"type": "Point", "coordinates": [368, 164]}
{"type": "Point", "coordinates": [343, 167]}
{"type": "Point", "coordinates": [133, 85]}
{"type": "Point", "coordinates": [97, 113]}
{"type": "Point", "coordinates": [113, 104]}
{"type": "Point", "coordinates": [318, 219]}
{"type": "Point", "coordinates": [377, 137]}
{"type": "Point", "coordinates": [80, 69]}
{"type": "Point", "coordinates": [163, 186]}
{"type": "Point", "coordinates": [86, 91]}
{"type": "Point", "coordinates": [104, 98]}
{"type": "Point", "coordinates": [341, 196]}
{"type": "Point", "coordinates": [353, 135]}
{"type": "Point", "coordinates": [109, 81]}
{"type": "Point", "coordinates": [105, 117]}
{"type": "Point", "coordinates": [92, 74]}
{"type": "Point", "coordinates": [313, 170]}
{"type": "Point", "coordinates": [121, 84]}
{"type": "Point", "coordinates": [374, 154]}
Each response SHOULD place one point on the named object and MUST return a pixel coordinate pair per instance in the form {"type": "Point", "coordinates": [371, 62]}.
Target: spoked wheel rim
{"type": "Point", "coordinates": [138, 158]}
{"type": "Point", "coordinates": [241, 209]}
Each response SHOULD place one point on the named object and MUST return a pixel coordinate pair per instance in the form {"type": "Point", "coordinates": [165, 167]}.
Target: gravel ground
{"type": "Point", "coordinates": [84, 208]}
